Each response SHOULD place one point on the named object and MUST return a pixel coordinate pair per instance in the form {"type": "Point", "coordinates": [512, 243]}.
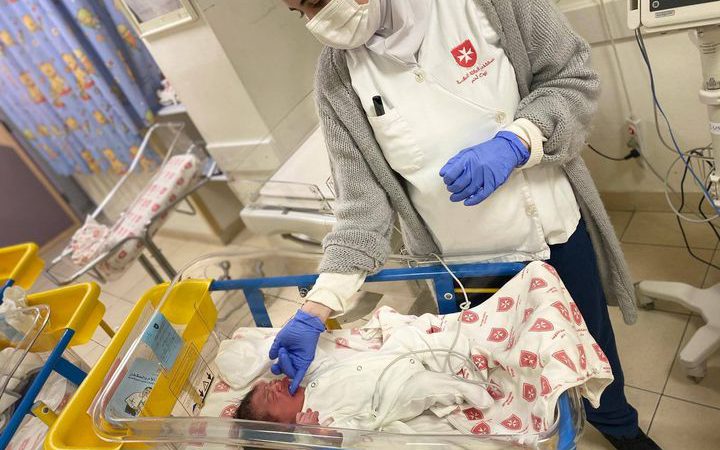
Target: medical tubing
{"type": "Point", "coordinates": [464, 306]}
{"type": "Point", "coordinates": [667, 194]}
{"type": "Point", "coordinates": [646, 59]}
{"type": "Point", "coordinates": [419, 352]}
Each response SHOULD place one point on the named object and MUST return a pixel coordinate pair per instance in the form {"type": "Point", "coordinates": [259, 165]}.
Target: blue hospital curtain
{"type": "Point", "coordinates": [77, 81]}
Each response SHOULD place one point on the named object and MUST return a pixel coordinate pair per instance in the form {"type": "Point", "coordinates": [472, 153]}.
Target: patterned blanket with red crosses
{"type": "Point", "coordinates": [93, 239]}
{"type": "Point", "coordinates": [530, 341]}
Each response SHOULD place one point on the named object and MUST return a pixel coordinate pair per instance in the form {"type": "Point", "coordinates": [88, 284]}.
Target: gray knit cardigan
{"type": "Point", "coordinates": [559, 90]}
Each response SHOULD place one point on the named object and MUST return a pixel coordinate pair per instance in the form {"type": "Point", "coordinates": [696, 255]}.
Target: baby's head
{"type": "Point", "coordinates": [271, 402]}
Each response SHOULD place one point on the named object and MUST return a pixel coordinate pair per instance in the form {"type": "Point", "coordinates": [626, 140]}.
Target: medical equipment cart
{"type": "Point", "coordinates": [149, 387]}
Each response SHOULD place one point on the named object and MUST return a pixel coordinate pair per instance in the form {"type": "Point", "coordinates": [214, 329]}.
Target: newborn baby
{"type": "Point", "coordinates": [370, 392]}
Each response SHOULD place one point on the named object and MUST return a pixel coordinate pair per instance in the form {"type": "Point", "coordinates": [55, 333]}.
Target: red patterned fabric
{"type": "Point", "coordinates": [166, 186]}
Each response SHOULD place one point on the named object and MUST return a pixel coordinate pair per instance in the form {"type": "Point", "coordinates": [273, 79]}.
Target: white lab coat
{"type": "Point", "coordinates": [434, 109]}
{"type": "Point", "coordinates": [343, 393]}
{"type": "Point", "coordinates": [460, 93]}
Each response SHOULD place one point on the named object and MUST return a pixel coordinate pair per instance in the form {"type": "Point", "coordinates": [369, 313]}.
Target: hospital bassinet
{"type": "Point", "coordinates": [149, 387]}
{"type": "Point", "coordinates": [35, 340]}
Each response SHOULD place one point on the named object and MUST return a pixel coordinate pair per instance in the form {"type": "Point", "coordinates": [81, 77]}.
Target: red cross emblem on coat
{"type": "Point", "coordinates": [465, 54]}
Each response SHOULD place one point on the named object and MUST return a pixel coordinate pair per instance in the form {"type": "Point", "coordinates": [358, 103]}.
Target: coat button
{"type": "Point", "coordinates": [500, 117]}
{"type": "Point", "coordinates": [359, 368]}
{"type": "Point", "coordinates": [412, 361]}
{"type": "Point", "coordinates": [313, 384]}
{"type": "Point", "coordinates": [419, 76]}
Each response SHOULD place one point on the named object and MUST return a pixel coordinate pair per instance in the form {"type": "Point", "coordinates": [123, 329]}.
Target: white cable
{"type": "Point", "coordinates": [667, 188]}
{"type": "Point", "coordinates": [613, 44]}
{"type": "Point", "coordinates": [464, 306]}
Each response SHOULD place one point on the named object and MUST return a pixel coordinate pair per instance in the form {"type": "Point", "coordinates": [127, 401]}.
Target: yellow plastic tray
{"type": "Point", "coordinates": [189, 304]}
{"type": "Point", "coordinates": [76, 307]}
{"type": "Point", "coordinates": [21, 264]}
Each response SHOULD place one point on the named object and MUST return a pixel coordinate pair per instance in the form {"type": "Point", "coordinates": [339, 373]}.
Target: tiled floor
{"type": "Point", "coordinates": [675, 411]}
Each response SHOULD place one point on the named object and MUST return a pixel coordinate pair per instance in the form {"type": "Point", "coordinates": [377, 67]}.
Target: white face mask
{"type": "Point", "coordinates": [345, 24]}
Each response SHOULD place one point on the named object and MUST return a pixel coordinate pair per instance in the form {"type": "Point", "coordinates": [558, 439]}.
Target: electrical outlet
{"type": "Point", "coordinates": [633, 134]}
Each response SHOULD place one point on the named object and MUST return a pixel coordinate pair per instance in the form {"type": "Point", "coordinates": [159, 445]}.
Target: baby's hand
{"type": "Point", "coordinates": [308, 417]}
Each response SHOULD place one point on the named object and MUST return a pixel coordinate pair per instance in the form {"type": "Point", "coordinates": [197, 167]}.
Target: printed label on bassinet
{"type": "Point", "coordinates": [134, 390]}
{"type": "Point", "coordinates": [164, 341]}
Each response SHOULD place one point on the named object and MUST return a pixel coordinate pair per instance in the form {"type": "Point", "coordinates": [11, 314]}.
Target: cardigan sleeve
{"type": "Point", "coordinates": [564, 87]}
{"type": "Point", "coordinates": [360, 240]}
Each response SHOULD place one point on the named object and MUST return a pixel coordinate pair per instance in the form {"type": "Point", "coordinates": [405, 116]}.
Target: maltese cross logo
{"type": "Point", "coordinates": [505, 304]}
{"type": "Point", "coordinates": [469, 317]}
{"type": "Point", "coordinates": [537, 422]}
{"type": "Point", "coordinates": [481, 362]}
{"type": "Point", "coordinates": [481, 428]}
{"type": "Point", "coordinates": [497, 335]}
{"type": "Point", "coordinates": [512, 423]}
{"type": "Point", "coordinates": [473, 414]}
{"type": "Point", "coordinates": [465, 54]}
{"type": "Point", "coordinates": [528, 359]}
{"type": "Point", "coordinates": [529, 392]}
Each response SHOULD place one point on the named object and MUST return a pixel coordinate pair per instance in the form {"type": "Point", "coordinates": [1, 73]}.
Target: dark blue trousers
{"type": "Point", "coordinates": [576, 264]}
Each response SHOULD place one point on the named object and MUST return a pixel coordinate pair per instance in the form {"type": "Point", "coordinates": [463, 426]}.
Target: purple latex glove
{"type": "Point", "coordinates": [294, 347]}
{"type": "Point", "coordinates": [476, 172]}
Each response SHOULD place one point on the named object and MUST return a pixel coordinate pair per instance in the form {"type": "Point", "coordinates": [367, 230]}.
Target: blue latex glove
{"type": "Point", "coordinates": [476, 172]}
{"type": "Point", "coordinates": [294, 347]}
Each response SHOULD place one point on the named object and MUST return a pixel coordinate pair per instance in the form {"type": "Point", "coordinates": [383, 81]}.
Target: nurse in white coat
{"type": "Point", "coordinates": [464, 118]}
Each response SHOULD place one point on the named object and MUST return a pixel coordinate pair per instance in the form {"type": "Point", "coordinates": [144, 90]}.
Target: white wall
{"type": "Point", "coordinates": [676, 64]}
{"type": "Point", "coordinates": [247, 68]}
{"type": "Point", "coordinates": [244, 71]}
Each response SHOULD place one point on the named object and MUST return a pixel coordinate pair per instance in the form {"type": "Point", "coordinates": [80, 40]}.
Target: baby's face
{"type": "Point", "coordinates": [273, 400]}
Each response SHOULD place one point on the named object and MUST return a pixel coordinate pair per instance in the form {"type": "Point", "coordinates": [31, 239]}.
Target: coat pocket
{"type": "Point", "coordinates": [397, 142]}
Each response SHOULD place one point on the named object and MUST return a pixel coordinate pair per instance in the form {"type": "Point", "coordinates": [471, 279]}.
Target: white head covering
{"type": "Point", "coordinates": [404, 24]}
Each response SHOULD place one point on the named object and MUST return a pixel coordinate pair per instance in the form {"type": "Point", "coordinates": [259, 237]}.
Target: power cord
{"type": "Point", "coordinates": [682, 228]}
{"type": "Point", "coordinates": [658, 107]}
{"type": "Point", "coordinates": [634, 153]}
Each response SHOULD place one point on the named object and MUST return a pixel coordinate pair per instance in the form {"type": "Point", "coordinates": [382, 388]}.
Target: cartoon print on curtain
{"type": "Point", "coordinates": [78, 83]}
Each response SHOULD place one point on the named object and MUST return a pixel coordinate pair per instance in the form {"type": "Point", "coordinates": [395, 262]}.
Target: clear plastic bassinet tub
{"type": "Point", "coordinates": [154, 385]}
